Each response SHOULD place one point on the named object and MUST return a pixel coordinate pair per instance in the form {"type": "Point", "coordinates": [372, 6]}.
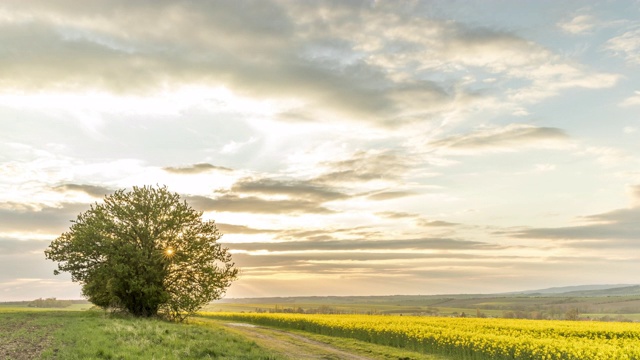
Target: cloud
{"type": "Point", "coordinates": [364, 61]}
{"type": "Point", "coordinates": [365, 166]}
{"type": "Point", "coordinates": [100, 53]}
{"type": "Point", "coordinates": [47, 220]}
{"type": "Point", "coordinates": [605, 155]}
{"type": "Point", "coordinates": [579, 24]}
{"type": "Point", "coordinates": [435, 223]}
{"type": "Point", "coordinates": [388, 195]}
{"type": "Point", "coordinates": [626, 46]}
{"type": "Point", "coordinates": [233, 147]}
{"type": "Point", "coordinates": [509, 138]}
{"type": "Point", "coordinates": [634, 190]}
{"type": "Point", "coordinates": [292, 189]}
{"type": "Point", "coordinates": [240, 229]}
{"type": "Point", "coordinates": [614, 229]}
{"type": "Point", "coordinates": [256, 205]}
{"type": "Point", "coordinates": [12, 247]}
{"type": "Point", "coordinates": [92, 190]}
{"type": "Point", "coordinates": [366, 245]}
{"type": "Point", "coordinates": [196, 169]}
{"type": "Point", "coordinates": [633, 100]}
{"type": "Point", "coordinates": [329, 233]}
{"type": "Point", "coordinates": [27, 275]}
{"type": "Point", "coordinates": [293, 260]}
{"type": "Point", "coordinates": [396, 215]}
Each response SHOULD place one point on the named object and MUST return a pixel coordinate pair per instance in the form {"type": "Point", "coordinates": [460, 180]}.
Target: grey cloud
{"type": "Point", "coordinates": [11, 247]}
{"type": "Point", "coordinates": [291, 259]}
{"type": "Point", "coordinates": [509, 137]}
{"type": "Point", "coordinates": [605, 245]}
{"type": "Point", "coordinates": [294, 189]}
{"type": "Point", "coordinates": [365, 166]}
{"type": "Point", "coordinates": [342, 245]}
{"type": "Point", "coordinates": [620, 216]}
{"type": "Point", "coordinates": [38, 55]}
{"type": "Point", "coordinates": [396, 215]}
{"type": "Point", "coordinates": [249, 51]}
{"type": "Point", "coordinates": [358, 59]}
{"type": "Point", "coordinates": [352, 59]}
{"type": "Point", "coordinates": [395, 264]}
{"type": "Point", "coordinates": [46, 220]}
{"type": "Point", "coordinates": [240, 229]}
{"type": "Point", "coordinates": [619, 228]}
{"type": "Point", "coordinates": [93, 190]}
{"type": "Point", "coordinates": [301, 197]}
{"type": "Point", "coordinates": [329, 233]}
{"type": "Point", "coordinates": [435, 223]}
{"type": "Point", "coordinates": [388, 195]}
{"type": "Point", "coordinates": [233, 203]}
{"type": "Point", "coordinates": [361, 167]}
{"type": "Point", "coordinates": [196, 169]}
{"type": "Point", "coordinates": [635, 193]}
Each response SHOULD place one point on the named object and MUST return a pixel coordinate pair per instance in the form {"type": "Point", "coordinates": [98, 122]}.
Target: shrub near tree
{"type": "Point", "coordinates": [147, 252]}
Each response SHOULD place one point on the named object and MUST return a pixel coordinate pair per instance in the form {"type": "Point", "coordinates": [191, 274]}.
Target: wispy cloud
{"type": "Point", "coordinates": [44, 220]}
{"type": "Point", "coordinates": [626, 46]}
{"type": "Point", "coordinates": [240, 229]}
{"type": "Point", "coordinates": [364, 166]}
{"type": "Point", "coordinates": [92, 190]}
{"type": "Point", "coordinates": [388, 195]}
{"type": "Point", "coordinates": [396, 215]}
{"type": "Point", "coordinates": [294, 189]}
{"type": "Point", "coordinates": [435, 223]}
{"type": "Point", "coordinates": [343, 245]}
{"type": "Point", "coordinates": [256, 205]}
{"type": "Point", "coordinates": [196, 169]}
{"type": "Point", "coordinates": [509, 138]}
{"type": "Point", "coordinates": [578, 24]}
{"type": "Point", "coordinates": [616, 229]}
{"type": "Point", "coordinates": [632, 100]}
{"type": "Point", "coordinates": [13, 247]}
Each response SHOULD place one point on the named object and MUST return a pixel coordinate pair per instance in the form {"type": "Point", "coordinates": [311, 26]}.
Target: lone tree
{"type": "Point", "coordinates": [147, 252]}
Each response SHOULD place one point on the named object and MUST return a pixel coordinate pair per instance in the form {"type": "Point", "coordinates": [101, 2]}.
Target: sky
{"type": "Point", "coordinates": [342, 147]}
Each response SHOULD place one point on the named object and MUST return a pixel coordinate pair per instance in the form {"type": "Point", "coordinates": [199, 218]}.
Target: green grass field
{"type": "Point", "coordinates": [40, 334]}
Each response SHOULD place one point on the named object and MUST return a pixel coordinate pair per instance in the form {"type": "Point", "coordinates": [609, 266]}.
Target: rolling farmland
{"type": "Point", "coordinates": [466, 338]}
{"type": "Point", "coordinates": [391, 327]}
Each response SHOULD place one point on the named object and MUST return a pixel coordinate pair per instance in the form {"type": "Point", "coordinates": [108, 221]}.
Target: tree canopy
{"type": "Point", "coordinates": [147, 252]}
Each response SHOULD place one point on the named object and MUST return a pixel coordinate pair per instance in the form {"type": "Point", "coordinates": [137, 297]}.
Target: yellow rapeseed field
{"type": "Point", "coordinates": [467, 338]}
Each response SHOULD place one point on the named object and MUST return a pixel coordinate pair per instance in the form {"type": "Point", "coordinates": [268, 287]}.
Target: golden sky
{"type": "Point", "coordinates": [343, 147]}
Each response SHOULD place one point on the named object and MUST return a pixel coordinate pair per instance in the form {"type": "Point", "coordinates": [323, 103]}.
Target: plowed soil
{"type": "Point", "coordinates": [23, 338]}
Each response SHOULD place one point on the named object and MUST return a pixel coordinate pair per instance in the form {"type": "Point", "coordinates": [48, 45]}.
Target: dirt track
{"type": "Point", "coordinates": [292, 345]}
{"type": "Point", "coordinates": [22, 339]}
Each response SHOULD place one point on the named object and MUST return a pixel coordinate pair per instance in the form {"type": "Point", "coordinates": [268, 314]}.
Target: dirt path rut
{"type": "Point", "coordinates": [292, 345]}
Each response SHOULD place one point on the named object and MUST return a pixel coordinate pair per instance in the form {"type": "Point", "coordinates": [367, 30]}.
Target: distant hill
{"type": "Point", "coordinates": [618, 291]}
{"type": "Point", "coordinates": [615, 302]}
{"type": "Point", "coordinates": [565, 291]}
{"type": "Point", "coordinates": [585, 290]}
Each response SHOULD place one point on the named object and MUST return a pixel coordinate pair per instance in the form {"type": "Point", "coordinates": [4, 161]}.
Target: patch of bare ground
{"type": "Point", "coordinates": [293, 346]}
{"type": "Point", "coordinates": [23, 339]}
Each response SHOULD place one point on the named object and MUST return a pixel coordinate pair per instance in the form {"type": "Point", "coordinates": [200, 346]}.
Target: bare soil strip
{"type": "Point", "coordinates": [291, 345]}
{"type": "Point", "coordinates": [23, 339]}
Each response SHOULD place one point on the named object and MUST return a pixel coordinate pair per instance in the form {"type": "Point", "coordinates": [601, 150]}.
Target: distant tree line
{"type": "Point", "coordinates": [50, 303]}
